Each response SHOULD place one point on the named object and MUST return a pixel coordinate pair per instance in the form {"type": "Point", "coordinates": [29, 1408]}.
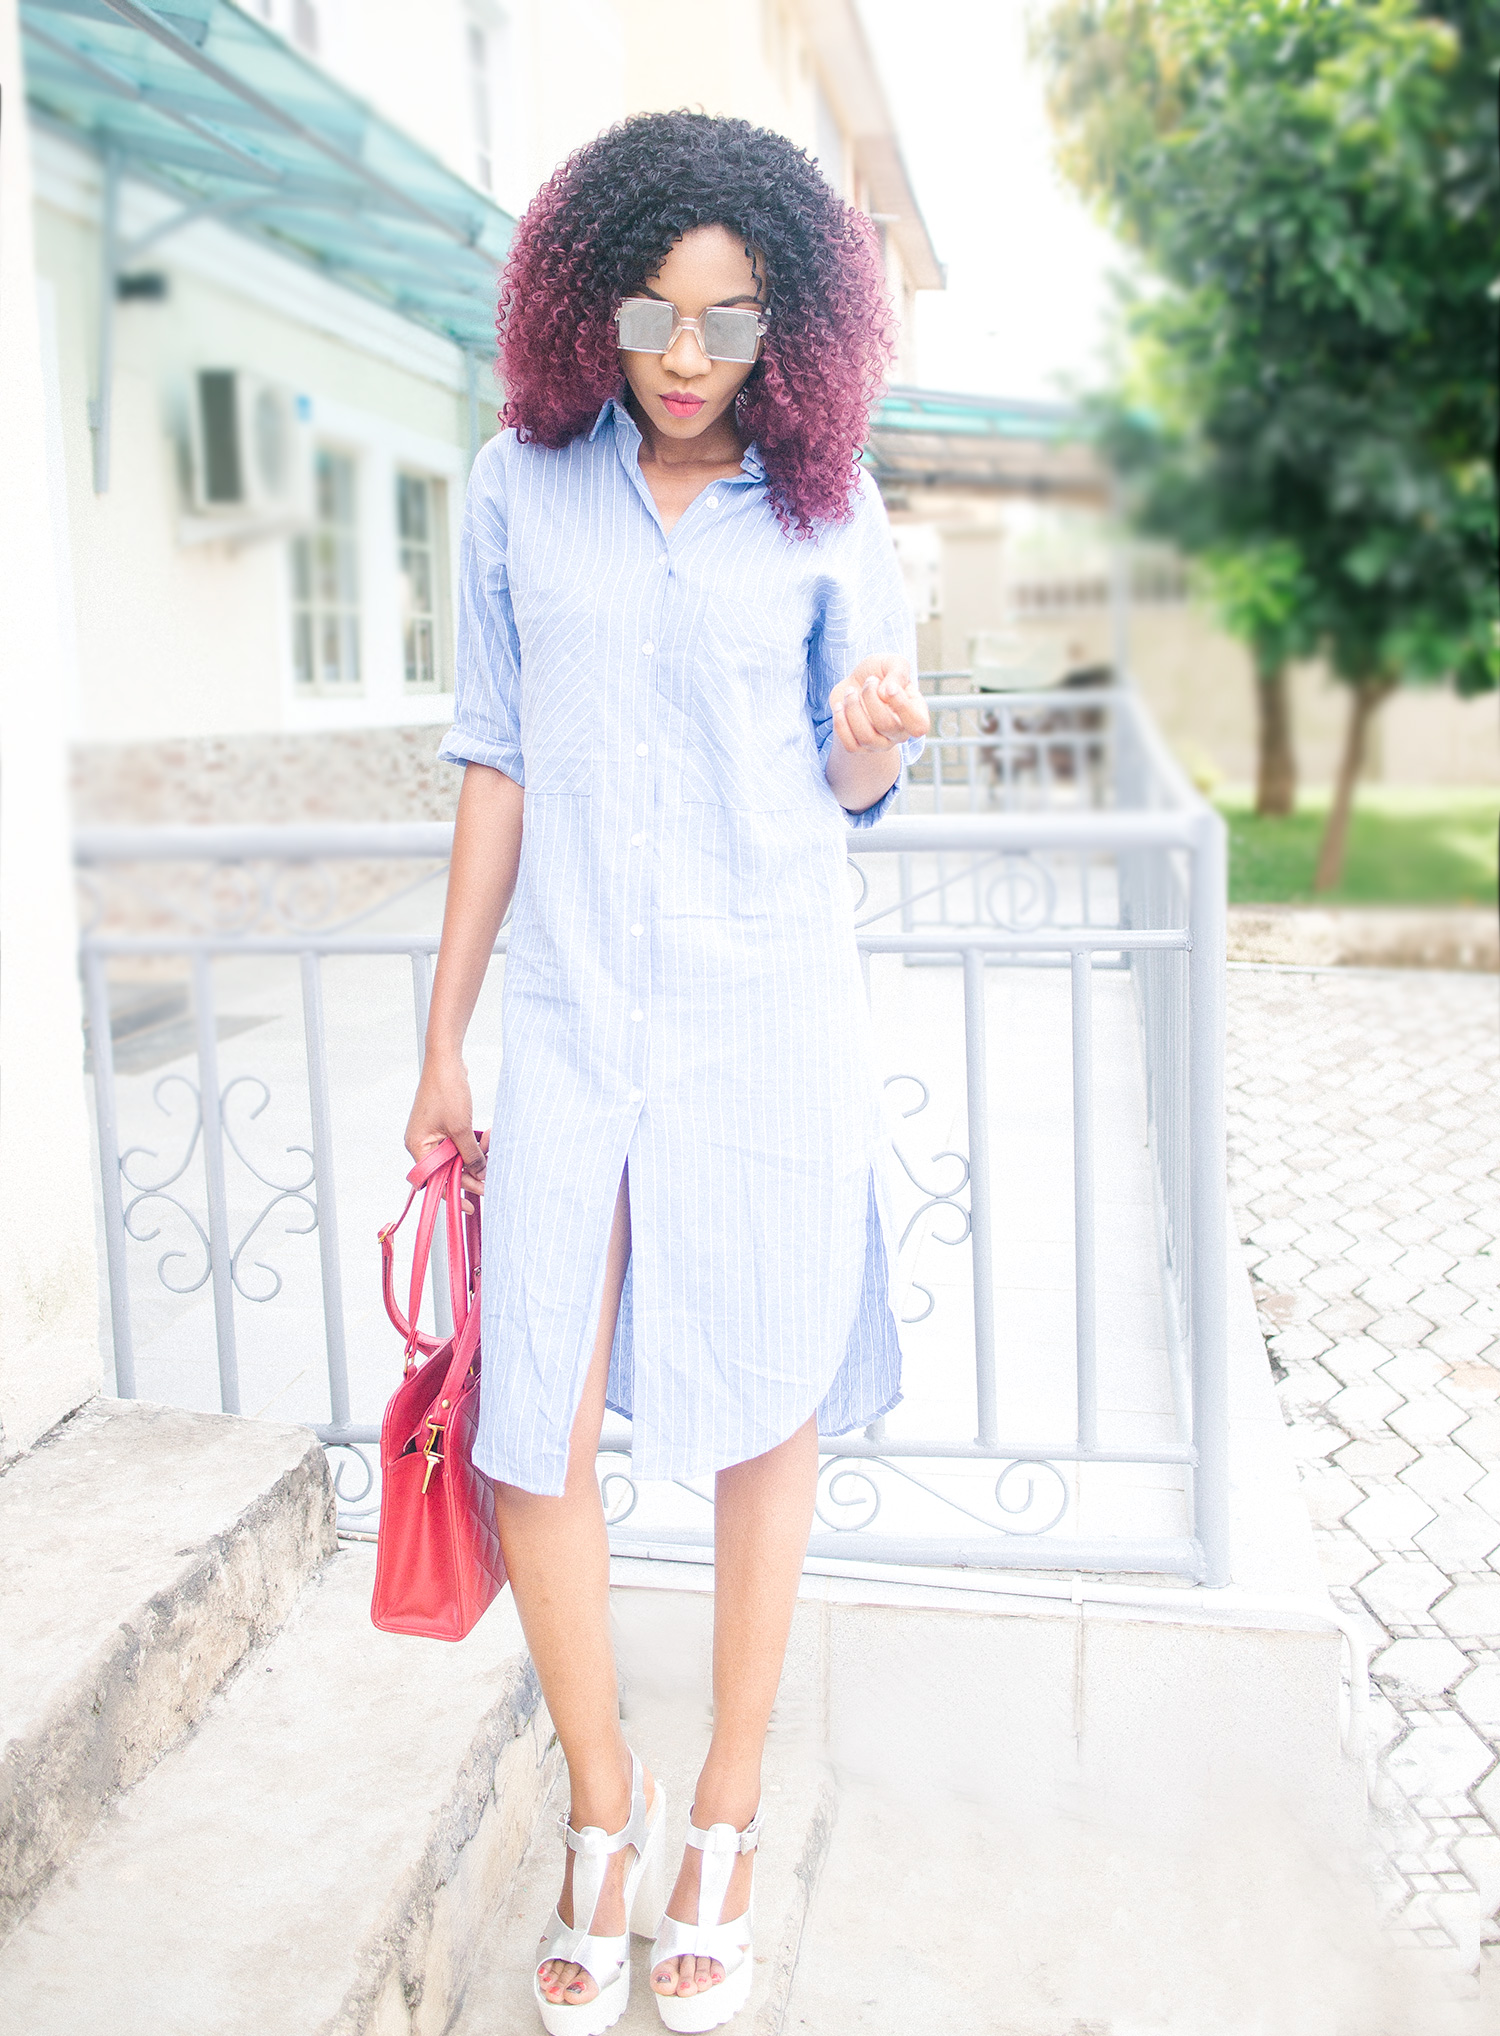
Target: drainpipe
{"type": "Point", "coordinates": [471, 390]}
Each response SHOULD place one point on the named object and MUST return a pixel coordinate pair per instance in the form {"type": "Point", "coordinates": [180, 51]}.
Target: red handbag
{"type": "Point", "coordinates": [438, 1562]}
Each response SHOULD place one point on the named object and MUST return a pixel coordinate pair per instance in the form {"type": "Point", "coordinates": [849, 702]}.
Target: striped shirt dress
{"type": "Point", "coordinates": [682, 988]}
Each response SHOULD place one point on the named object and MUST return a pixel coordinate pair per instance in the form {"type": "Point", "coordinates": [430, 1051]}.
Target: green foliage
{"type": "Point", "coordinates": [1407, 846]}
{"type": "Point", "coordinates": [1263, 596]}
{"type": "Point", "coordinates": [1315, 184]}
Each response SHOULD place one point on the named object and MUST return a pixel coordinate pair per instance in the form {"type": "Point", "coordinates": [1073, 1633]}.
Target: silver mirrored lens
{"type": "Point", "coordinates": [730, 335]}
{"type": "Point", "coordinates": [645, 325]}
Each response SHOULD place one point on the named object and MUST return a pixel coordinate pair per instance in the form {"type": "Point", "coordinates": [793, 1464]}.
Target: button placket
{"type": "Point", "coordinates": [641, 839]}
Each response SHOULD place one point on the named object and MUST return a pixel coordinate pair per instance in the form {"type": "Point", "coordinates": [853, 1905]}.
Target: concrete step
{"type": "Point", "coordinates": [1233, 1925]}
{"type": "Point", "coordinates": [319, 1856]}
{"type": "Point", "coordinates": [663, 1642]}
{"type": "Point", "coordinates": [146, 1550]}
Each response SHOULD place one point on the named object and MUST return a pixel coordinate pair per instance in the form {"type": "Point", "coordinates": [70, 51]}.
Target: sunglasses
{"type": "Point", "coordinates": [647, 325]}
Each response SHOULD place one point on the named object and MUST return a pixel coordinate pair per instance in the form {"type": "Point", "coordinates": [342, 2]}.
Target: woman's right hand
{"type": "Point", "coordinates": [444, 1108]}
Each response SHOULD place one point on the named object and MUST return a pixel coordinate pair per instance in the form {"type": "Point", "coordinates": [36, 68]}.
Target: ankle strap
{"type": "Point", "coordinates": [592, 1839]}
{"type": "Point", "coordinates": [719, 1844]}
{"type": "Point", "coordinates": [724, 1837]}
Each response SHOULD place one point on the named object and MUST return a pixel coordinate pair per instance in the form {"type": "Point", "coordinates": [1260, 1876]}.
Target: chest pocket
{"type": "Point", "coordinates": [563, 624]}
{"type": "Point", "coordinates": [750, 746]}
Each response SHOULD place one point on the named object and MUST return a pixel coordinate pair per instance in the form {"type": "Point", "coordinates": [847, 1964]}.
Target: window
{"type": "Point", "coordinates": [478, 47]}
{"type": "Point", "coordinates": [419, 532]}
{"type": "Point", "coordinates": [325, 584]}
{"type": "Point", "coordinates": [828, 139]}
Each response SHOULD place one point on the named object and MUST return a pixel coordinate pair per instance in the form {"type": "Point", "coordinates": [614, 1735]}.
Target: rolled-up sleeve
{"type": "Point", "coordinates": [487, 678]}
{"type": "Point", "coordinates": [863, 613]}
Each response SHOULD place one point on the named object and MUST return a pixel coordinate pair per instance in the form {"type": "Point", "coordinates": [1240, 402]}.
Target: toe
{"type": "Point", "coordinates": [579, 1983]}
{"type": "Point", "coordinates": [556, 1976]}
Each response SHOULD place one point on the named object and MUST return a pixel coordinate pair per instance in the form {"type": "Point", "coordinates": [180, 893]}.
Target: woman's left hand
{"type": "Point", "coordinates": [878, 705]}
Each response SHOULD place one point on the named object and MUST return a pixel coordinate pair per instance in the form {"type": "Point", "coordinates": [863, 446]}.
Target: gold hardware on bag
{"type": "Point", "coordinates": [432, 1453]}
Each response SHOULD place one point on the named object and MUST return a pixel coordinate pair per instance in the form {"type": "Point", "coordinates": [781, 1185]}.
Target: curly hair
{"type": "Point", "coordinates": [605, 221]}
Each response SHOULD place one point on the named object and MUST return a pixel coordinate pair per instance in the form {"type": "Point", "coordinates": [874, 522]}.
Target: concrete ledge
{"type": "Point", "coordinates": [319, 1856]}
{"type": "Point", "coordinates": [146, 1551]}
{"type": "Point", "coordinates": [1365, 936]}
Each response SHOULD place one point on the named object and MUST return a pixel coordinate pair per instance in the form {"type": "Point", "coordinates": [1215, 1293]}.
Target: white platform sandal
{"type": "Point", "coordinates": [606, 1959]}
{"type": "Point", "coordinates": [730, 1943]}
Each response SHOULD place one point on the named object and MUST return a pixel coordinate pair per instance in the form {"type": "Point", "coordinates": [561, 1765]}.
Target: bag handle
{"type": "Point", "coordinates": [417, 1340]}
{"type": "Point", "coordinates": [440, 1408]}
{"type": "Point", "coordinates": [439, 1175]}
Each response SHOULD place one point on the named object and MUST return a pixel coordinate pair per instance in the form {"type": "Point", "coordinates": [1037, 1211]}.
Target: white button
{"type": "Point", "coordinates": [637, 929]}
{"type": "Point", "coordinates": [640, 749]}
{"type": "Point", "coordinates": [636, 840]}
{"type": "Point", "coordinates": [636, 1017]}
{"type": "Point", "coordinates": [635, 1095]}
{"type": "Point", "coordinates": [647, 649]}
{"type": "Point", "coordinates": [713, 500]}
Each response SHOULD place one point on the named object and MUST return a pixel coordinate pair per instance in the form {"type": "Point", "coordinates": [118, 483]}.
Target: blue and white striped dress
{"type": "Point", "coordinates": [682, 988]}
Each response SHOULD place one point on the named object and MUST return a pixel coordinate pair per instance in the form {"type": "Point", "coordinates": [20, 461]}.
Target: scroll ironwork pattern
{"type": "Point", "coordinates": [142, 1192]}
{"type": "Point", "coordinates": [850, 1487]}
{"type": "Point", "coordinates": [935, 1197]}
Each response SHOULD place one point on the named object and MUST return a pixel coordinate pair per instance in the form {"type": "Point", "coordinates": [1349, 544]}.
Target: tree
{"type": "Point", "coordinates": [1260, 590]}
{"type": "Point", "coordinates": [1312, 386]}
{"type": "Point", "coordinates": [1263, 597]}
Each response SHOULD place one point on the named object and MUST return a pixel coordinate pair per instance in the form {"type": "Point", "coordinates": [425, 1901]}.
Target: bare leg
{"type": "Point", "coordinates": [762, 1515]}
{"type": "Point", "coordinates": [557, 1556]}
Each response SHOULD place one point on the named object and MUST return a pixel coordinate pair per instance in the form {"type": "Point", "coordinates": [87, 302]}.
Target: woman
{"type": "Point", "coordinates": [683, 632]}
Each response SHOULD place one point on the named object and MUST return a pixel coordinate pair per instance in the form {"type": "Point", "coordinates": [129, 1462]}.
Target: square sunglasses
{"type": "Point", "coordinates": [647, 325]}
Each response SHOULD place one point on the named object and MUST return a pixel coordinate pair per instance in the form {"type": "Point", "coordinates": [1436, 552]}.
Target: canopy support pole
{"type": "Point", "coordinates": [109, 274]}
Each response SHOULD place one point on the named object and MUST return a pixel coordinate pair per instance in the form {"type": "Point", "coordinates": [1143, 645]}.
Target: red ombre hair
{"type": "Point", "coordinates": [606, 220]}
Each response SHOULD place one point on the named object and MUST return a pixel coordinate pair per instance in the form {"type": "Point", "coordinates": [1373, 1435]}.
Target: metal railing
{"type": "Point", "coordinates": [1121, 866]}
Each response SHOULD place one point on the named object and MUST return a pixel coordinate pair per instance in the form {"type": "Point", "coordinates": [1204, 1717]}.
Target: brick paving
{"type": "Point", "coordinates": [1364, 1138]}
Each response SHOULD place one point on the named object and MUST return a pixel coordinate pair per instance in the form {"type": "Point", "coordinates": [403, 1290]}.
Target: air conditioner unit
{"type": "Point", "coordinates": [252, 450]}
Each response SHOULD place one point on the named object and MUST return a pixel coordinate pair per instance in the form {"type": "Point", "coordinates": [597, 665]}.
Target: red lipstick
{"type": "Point", "coordinates": [681, 403]}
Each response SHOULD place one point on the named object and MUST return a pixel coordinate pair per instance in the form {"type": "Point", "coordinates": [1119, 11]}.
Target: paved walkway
{"type": "Point", "coordinates": [1364, 1132]}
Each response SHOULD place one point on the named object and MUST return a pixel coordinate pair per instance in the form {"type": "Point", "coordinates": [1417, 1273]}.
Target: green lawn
{"type": "Point", "coordinates": [1408, 845]}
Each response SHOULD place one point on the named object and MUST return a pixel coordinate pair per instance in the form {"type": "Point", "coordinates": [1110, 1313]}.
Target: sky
{"type": "Point", "coordinates": [1026, 307]}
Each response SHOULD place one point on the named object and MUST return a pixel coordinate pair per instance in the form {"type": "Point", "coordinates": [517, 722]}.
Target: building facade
{"type": "Point", "coordinates": [165, 293]}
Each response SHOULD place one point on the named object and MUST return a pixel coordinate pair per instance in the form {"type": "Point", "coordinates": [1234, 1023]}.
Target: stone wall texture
{"type": "Point", "coordinates": [246, 780]}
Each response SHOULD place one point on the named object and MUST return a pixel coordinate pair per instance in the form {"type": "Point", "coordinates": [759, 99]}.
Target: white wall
{"type": "Point", "coordinates": [555, 75]}
{"type": "Point", "coordinates": [49, 1355]}
{"type": "Point", "coordinates": [192, 639]}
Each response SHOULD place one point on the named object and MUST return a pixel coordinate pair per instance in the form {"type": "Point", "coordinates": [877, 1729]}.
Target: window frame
{"type": "Point", "coordinates": [435, 544]}
{"type": "Point", "coordinates": [350, 614]}
{"type": "Point", "coordinates": [382, 446]}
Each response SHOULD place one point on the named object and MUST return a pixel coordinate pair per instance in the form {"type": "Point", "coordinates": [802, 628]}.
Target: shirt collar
{"type": "Point", "coordinates": [613, 410]}
{"type": "Point", "coordinates": [611, 404]}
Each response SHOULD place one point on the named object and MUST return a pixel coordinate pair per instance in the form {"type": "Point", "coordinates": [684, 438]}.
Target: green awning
{"type": "Point", "coordinates": [210, 106]}
{"type": "Point", "coordinates": [929, 438]}
{"type": "Point", "coordinates": [935, 413]}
